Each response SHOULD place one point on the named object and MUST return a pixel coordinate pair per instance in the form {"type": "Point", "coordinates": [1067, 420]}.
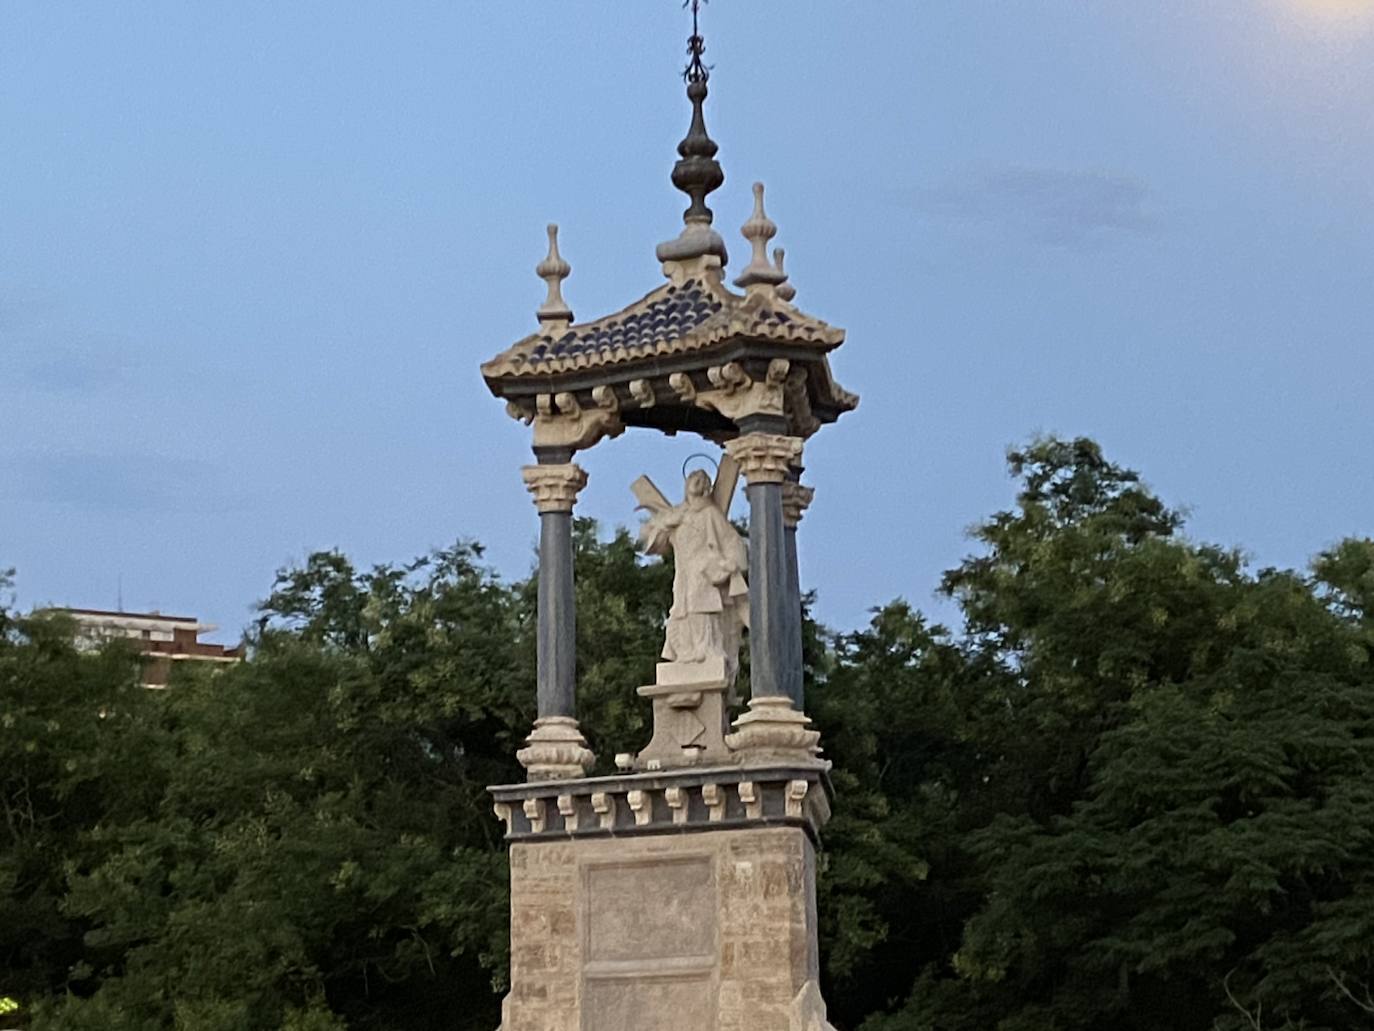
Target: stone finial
{"type": "Point", "coordinates": [554, 313]}
{"type": "Point", "coordinates": [758, 231]}
{"type": "Point", "coordinates": [786, 291]}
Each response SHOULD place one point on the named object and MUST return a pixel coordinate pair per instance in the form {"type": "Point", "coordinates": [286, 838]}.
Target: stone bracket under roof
{"type": "Point", "coordinates": [690, 356]}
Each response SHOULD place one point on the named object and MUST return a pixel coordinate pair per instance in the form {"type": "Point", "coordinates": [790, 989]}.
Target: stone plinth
{"type": "Point", "coordinates": [666, 902]}
{"type": "Point", "coordinates": [689, 715]}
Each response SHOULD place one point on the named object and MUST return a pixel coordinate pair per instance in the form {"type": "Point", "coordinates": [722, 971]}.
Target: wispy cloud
{"type": "Point", "coordinates": [1050, 207]}
{"type": "Point", "coordinates": [117, 483]}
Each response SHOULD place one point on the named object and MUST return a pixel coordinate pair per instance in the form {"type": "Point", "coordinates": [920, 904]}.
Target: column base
{"type": "Point", "coordinates": [556, 750]}
{"type": "Point", "coordinates": [773, 731]}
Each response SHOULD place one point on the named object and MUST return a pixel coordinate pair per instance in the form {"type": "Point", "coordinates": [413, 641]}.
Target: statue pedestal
{"type": "Point", "coordinates": [689, 715]}
{"type": "Point", "coordinates": [671, 901]}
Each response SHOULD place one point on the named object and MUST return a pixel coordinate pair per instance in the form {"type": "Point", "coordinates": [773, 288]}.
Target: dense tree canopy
{"type": "Point", "coordinates": [1134, 789]}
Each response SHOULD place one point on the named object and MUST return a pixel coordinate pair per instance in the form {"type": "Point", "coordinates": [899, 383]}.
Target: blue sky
{"type": "Point", "coordinates": [251, 255]}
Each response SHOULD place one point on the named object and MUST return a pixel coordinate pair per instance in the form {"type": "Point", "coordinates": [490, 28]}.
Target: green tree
{"type": "Point", "coordinates": [320, 853]}
{"type": "Point", "coordinates": [69, 752]}
{"type": "Point", "coordinates": [1168, 814]}
{"type": "Point", "coordinates": [1134, 790]}
{"type": "Point", "coordinates": [315, 847]}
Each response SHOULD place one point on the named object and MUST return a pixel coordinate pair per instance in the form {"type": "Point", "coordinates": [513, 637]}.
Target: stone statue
{"type": "Point", "coordinates": [710, 595]}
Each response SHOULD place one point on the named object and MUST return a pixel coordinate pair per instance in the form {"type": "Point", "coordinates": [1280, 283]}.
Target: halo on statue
{"type": "Point", "coordinates": [715, 465]}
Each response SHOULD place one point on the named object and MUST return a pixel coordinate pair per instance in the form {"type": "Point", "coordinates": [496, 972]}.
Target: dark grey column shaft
{"type": "Point", "coordinates": [794, 680]}
{"type": "Point", "coordinates": [770, 647]}
{"type": "Point", "coordinates": [557, 651]}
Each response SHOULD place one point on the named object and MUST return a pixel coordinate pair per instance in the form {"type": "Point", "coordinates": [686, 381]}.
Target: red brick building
{"type": "Point", "coordinates": [164, 640]}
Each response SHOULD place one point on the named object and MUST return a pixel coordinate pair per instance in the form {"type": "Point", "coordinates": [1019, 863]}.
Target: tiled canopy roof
{"type": "Point", "coordinates": [674, 319]}
{"type": "Point", "coordinates": [669, 313]}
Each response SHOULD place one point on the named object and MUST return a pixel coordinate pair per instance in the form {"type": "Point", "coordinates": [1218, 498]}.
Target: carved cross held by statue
{"type": "Point", "coordinates": [651, 499]}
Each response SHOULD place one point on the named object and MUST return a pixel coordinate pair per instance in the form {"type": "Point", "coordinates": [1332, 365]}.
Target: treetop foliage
{"type": "Point", "coordinates": [1134, 790]}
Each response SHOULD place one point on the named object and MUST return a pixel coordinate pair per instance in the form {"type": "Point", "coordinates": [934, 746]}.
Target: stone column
{"type": "Point", "coordinates": [773, 728]}
{"type": "Point", "coordinates": [795, 500]}
{"type": "Point", "coordinates": [556, 748]}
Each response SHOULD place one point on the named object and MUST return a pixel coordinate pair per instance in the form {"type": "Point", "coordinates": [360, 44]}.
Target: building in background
{"type": "Point", "coordinates": [163, 640]}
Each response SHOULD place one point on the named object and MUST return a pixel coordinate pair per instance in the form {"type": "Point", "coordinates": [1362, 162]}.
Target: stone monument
{"type": "Point", "coordinates": [679, 892]}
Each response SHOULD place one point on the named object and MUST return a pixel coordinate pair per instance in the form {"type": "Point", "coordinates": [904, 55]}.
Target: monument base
{"type": "Point", "coordinates": [673, 902]}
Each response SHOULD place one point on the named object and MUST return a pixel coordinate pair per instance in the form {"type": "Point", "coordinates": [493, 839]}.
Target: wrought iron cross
{"type": "Point", "coordinates": [697, 70]}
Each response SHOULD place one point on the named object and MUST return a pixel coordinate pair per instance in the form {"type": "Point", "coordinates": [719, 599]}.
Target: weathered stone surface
{"type": "Point", "coordinates": [713, 931]}
{"type": "Point", "coordinates": [648, 1004]}
{"type": "Point", "coordinates": [680, 920]}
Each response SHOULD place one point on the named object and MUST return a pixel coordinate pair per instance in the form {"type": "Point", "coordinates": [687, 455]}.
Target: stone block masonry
{"type": "Point", "coordinates": [665, 932]}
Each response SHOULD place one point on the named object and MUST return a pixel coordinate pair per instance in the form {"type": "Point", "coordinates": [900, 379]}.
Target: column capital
{"type": "Point", "coordinates": [765, 457]}
{"type": "Point", "coordinates": [554, 487]}
{"type": "Point", "coordinates": [796, 499]}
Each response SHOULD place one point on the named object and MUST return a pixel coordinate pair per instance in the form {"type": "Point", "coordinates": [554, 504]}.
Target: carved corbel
{"type": "Point", "coordinates": [605, 398]}
{"type": "Point", "coordinates": [560, 421]}
{"type": "Point", "coordinates": [683, 386]}
{"type": "Point", "coordinates": [639, 803]}
{"type": "Point", "coordinates": [534, 812]}
{"type": "Point", "coordinates": [677, 804]}
{"type": "Point", "coordinates": [777, 371]}
{"type": "Point", "coordinates": [643, 392]}
{"type": "Point", "coordinates": [603, 804]}
{"type": "Point", "coordinates": [735, 394]}
{"type": "Point", "coordinates": [503, 814]}
{"type": "Point", "coordinates": [800, 419]}
{"type": "Point", "coordinates": [729, 377]}
{"type": "Point", "coordinates": [567, 808]}
{"type": "Point", "coordinates": [795, 797]}
{"type": "Point", "coordinates": [714, 798]}
{"type": "Point", "coordinates": [749, 796]}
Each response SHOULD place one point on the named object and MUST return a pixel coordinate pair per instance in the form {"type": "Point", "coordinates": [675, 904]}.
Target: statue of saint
{"type": "Point", "coordinates": [710, 595]}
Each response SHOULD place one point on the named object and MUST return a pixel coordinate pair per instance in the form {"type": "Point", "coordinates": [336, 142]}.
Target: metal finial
{"type": "Point", "coordinates": [758, 231]}
{"type": "Point", "coordinates": [696, 46]}
{"type": "Point", "coordinates": [697, 172]}
{"type": "Point", "coordinates": [553, 270]}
